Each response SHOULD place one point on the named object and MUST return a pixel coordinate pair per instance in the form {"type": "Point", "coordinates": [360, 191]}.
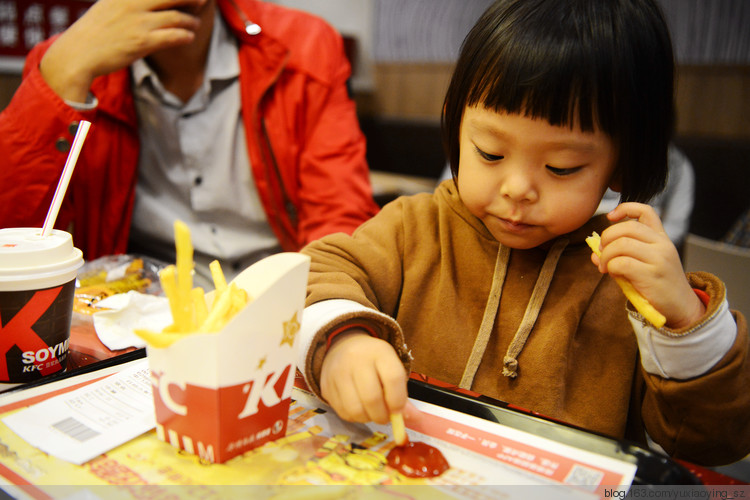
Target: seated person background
{"type": "Point", "coordinates": [231, 115]}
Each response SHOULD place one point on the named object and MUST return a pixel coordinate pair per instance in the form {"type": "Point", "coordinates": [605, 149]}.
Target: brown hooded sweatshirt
{"type": "Point", "coordinates": [539, 328]}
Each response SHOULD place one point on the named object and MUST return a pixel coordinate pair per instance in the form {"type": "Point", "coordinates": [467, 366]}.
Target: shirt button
{"type": "Point", "coordinates": [73, 128]}
{"type": "Point", "coordinates": [198, 180]}
{"type": "Point", "coordinates": [62, 145]}
{"type": "Point", "coordinates": [213, 230]}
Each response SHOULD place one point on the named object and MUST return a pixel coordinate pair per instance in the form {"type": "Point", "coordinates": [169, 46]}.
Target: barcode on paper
{"type": "Point", "coordinates": [583, 476]}
{"type": "Point", "coordinates": [75, 429]}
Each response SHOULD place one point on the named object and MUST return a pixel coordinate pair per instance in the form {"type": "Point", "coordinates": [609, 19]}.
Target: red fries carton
{"type": "Point", "coordinates": [218, 395]}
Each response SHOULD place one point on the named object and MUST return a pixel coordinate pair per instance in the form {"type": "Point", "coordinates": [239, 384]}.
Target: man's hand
{"type": "Point", "coordinates": [110, 36]}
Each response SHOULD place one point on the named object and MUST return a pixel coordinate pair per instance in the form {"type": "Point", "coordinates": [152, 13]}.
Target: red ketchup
{"type": "Point", "coordinates": [415, 459]}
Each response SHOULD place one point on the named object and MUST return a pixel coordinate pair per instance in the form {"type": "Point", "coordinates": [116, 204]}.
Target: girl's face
{"type": "Point", "coordinates": [529, 181]}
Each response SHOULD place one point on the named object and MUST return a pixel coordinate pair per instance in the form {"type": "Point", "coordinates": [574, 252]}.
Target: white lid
{"type": "Point", "coordinates": [29, 261]}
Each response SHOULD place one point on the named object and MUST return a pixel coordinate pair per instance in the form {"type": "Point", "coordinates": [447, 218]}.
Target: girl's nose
{"type": "Point", "coordinates": [518, 185]}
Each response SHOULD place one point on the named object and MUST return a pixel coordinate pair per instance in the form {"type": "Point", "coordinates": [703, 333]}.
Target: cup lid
{"type": "Point", "coordinates": [24, 253]}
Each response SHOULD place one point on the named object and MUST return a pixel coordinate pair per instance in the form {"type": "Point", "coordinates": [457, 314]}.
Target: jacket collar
{"type": "Point", "coordinates": [242, 16]}
{"type": "Point", "coordinates": [284, 37]}
{"type": "Point", "coordinates": [245, 18]}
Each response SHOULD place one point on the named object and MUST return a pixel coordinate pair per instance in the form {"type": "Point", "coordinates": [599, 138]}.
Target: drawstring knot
{"type": "Point", "coordinates": [510, 361]}
{"type": "Point", "coordinates": [510, 367]}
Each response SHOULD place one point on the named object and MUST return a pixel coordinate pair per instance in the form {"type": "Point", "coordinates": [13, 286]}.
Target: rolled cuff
{"type": "Point", "coordinates": [321, 318]}
{"type": "Point", "coordinates": [91, 103]}
{"type": "Point", "coordinates": [686, 355]}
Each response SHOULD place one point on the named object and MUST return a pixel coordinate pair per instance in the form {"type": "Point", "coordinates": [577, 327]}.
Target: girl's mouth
{"type": "Point", "coordinates": [514, 226]}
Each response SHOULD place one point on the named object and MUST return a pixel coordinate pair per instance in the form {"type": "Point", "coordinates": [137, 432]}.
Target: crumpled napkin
{"type": "Point", "coordinates": [127, 312]}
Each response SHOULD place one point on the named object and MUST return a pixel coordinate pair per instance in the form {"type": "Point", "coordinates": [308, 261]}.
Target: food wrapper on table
{"type": "Point", "coordinates": [218, 395]}
{"type": "Point", "coordinates": [97, 281]}
{"type": "Point", "coordinates": [115, 274]}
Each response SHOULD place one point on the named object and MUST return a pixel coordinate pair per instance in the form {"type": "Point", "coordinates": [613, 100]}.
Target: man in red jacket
{"type": "Point", "coordinates": [232, 115]}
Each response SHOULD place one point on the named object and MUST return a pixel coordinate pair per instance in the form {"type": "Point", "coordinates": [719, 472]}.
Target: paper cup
{"type": "Point", "coordinates": [218, 395]}
{"type": "Point", "coordinates": [37, 285]}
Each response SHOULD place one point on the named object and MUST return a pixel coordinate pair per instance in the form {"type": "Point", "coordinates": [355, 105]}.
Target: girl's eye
{"type": "Point", "coordinates": [561, 172]}
{"type": "Point", "coordinates": [487, 156]}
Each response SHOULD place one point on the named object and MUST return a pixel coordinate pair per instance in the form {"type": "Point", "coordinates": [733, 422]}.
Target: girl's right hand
{"type": "Point", "coordinates": [362, 378]}
{"type": "Point", "coordinates": [111, 35]}
{"type": "Point", "coordinates": [639, 250]}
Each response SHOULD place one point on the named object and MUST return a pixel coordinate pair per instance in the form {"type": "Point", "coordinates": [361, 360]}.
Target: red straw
{"type": "Point", "coordinates": [62, 185]}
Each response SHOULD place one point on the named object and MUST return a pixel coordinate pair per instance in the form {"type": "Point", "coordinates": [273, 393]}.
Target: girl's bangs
{"type": "Point", "coordinates": [541, 79]}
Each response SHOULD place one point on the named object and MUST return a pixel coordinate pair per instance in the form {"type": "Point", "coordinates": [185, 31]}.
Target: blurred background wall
{"type": "Point", "coordinates": [406, 49]}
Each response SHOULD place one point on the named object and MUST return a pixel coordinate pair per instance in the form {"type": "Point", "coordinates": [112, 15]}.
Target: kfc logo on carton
{"type": "Point", "coordinates": [256, 412]}
{"type": "Point", "coordinates": [218, 395]}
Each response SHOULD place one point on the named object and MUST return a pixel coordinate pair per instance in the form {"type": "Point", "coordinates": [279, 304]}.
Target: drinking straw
{"type": "Point", "coordinates": [62, 185]}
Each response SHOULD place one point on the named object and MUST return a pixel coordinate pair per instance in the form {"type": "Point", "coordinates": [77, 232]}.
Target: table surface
{"type": "Point", "coordinates": [88, 354]}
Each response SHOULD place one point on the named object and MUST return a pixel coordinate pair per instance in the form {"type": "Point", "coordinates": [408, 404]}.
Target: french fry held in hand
{"type": "Point", "coordinates": [639, 301]}
{"type": "Point", "coordinates": [399, 429]}
{"type": "Point", "coordinates": [190, 310]}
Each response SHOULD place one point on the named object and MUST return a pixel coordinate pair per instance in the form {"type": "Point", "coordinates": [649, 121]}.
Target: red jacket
{"type": "Point", "coordinates": [301, 127]}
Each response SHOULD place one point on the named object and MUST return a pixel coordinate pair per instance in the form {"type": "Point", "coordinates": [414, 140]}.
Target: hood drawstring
{"type": "Point", "coordinates": [510, 361]}
{"type": "Point", "coordinates": [488, 319]}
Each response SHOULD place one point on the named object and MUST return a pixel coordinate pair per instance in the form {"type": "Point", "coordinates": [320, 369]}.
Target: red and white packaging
{"type": "Point", "coordinates": [218, 395]}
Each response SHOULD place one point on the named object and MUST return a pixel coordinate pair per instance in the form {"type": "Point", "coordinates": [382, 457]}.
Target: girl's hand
{"type": "Point", "coordinates": [110, 36]}
{"type": "Point", "coordinates": [363, 379]}
{"type": "Point", "coordinates": [639, 250]}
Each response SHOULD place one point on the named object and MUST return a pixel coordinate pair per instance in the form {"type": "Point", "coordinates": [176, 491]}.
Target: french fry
{"type": "Point", "coordinates": [200, 309]}
{"type": "Point", "coordinates": [399, 429]}
{"type": "Point", "coordinates": [169, 285]}
{"type": "Point", "coordinates": [184, 248]}
{"type": "Point", "coordinates": [640, 303]}
{"type": "Point", "coordinates": [190, 311]}
{"type": "Point", "coordinates": [161, 339]}
{"type": "Point", "coordinates": [239, 299]}
{"type": "Point", "coordinates": [220, 282]}
{"type": "Point", "coordinates": [219, 311]}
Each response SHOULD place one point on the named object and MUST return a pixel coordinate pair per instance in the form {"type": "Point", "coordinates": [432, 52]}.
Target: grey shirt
{"type": "Point", "coordinates": [194, 166]}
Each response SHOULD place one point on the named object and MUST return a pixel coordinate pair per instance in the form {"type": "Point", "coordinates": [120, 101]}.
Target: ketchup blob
{"type": "Point", "coordinates": [415, 459]}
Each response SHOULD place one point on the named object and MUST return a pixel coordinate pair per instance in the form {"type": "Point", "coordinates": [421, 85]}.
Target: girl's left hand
{"type": "Point", "coordinates": [639, 250]}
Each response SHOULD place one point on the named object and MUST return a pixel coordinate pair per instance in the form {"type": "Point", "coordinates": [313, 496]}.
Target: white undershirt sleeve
{"type": "Point", "coordinates": [689, 354]}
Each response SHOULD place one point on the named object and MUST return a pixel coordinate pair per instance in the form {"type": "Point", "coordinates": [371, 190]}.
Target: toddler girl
{"type": "Point", "coordinates": [487, 283]}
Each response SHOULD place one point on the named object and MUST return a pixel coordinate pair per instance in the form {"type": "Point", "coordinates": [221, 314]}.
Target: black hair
{"type": "Point", "coordinates": [607, 63]}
